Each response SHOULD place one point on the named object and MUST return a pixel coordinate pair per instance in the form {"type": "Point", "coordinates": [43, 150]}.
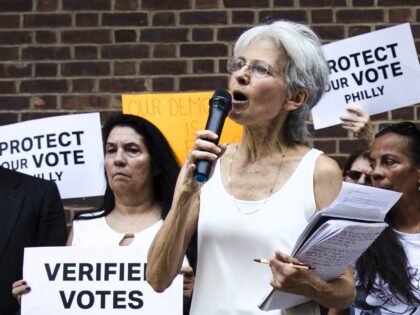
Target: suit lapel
{"type": "Point", "coordinates": [11, 200]}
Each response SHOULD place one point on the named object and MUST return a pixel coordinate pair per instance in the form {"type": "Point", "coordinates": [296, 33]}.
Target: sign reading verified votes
{"type": "Point", "coordinates": [178, 116]}
{"type": "Point", "coordinates": [66, 149]}
{"type": "Point", "coordinates": [94, 280]}
{"type": "Point", "coordinates": [377, 71]}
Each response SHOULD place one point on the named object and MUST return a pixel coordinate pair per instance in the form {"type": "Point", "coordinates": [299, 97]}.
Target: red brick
{"type": "Point", "coordinates": [283, 3]}
{"type": "Point", "coordinates": [245, 3]}
{"type": "Point", "coordinates": [329, 32]}
{"type": "Point", "coordinates": [203, 83]}
{"type": "Point", "coordinates": [122, 36]}
{"type": "Point", "coordinates": [163, 84]}
{"type": "Point", "coordinates": [124, 68]}
{"type": "Point", "coordinates": [45, 70]}
{"type": "Point", "coordinates": [126, 5]}
{"type": "Point", "coordinates": [15, 5]}
{"type": "Point", "coordinates": [164, 35]}
{"type": "Point", "coordinates": [163, 67]}
{"type": "Point", "coordinates": [85, 69]}
{"type": "Point", "coordinates": [203, 17]}
{"type": "Point", "coordinates": [405, 113]}
{"type": "Point", "coordinates": [39, 114]}
{"type": "Point", "coordinates": [203, 50]}
{"type": "Point", "coordinates": [363, 3]}
{"type": "Point", "coordinates": [202, 34]}
{"type": "Point", "coordinates": [330, 132]}
{"type": "Point", "coordinates": [7, 118]}
{"type": "Point", "coordinates": [397, 2]}
{"type": "Point", "coordinates": [45, 102]}
{"type": "Point", "coordinates": [7, 87]}
{"type": "Point", "coordinates": [15, 37]}
{"type": "Point", "coordinates": [292, 15]}
{"type": "Point", "coordinates": [163, 18]}
{"type": "Point", "coordinates": [380, 116]}
{"type": "Point", "coordinates": [80, 101]}
{"type": "Point", "coordinates": [166, 4]}
{"type": "Point", "coordinates": [43, 86]}
{"type": "Point", "coordinates": [86, 52]}
{"type": "Point", "coordinates": [46, 20]}
{"type": "Point", "coordinates": [230, 33]}
{"type": "Point", "coordinates": [8, 70]}
{"type": "Point", "coordinates": [7, 53]}
{"type": "Point", "coordinates": [327, 146]}
{"type": "Point", "coordinates": [201, 4]}
{"type": "Point", "coordinates": [122, 85]}
{"type": "Point", "coordinates": [13, 102]}
{"type": "Point", "coordinates": [45, 37]}
{"type": "Point", "coordinates": [203, 66]}
{"type": "Point", "coordinates": [125, 51]}
{"type": "Point", "coordinates": [322, 16]}
{"type": "Point", "coordinates": [83, 85]}
{"type": "Point", "coordinates": [349, 146]}
{"type": "Point", "coordinates": [400, 15]}
{"type": "Point", "coordinates": [9, 21]}
{"type": "Point", "coordinates": [359, 30]}
{"type": "Point", "coordinates": [44, 53]}
{"type": "Point", "coordinates": [47, 5]}
{"type": "Point", "coordinates": [323, 3]}
{"type": "Point", "coordinates": [86, 4]}
{"type": "Point", "coordinates": [164, 51]}
{"type": "Point", "coordinates": [98, 36]}
{"type": "Point", "coordinates": [124, 19]}
{"type": "Point", "coordinates": [87, 19]}
{"type": "Point", "coordinates": [359, 16]}
{"type": "Point", "coordinates": [243, 17]}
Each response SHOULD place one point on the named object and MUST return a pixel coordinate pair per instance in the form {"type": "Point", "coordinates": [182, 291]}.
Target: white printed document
{"type": "Point", "coordinates": [337, 236]}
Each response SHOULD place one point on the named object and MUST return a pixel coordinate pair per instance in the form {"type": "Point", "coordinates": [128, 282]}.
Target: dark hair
{"type": "Point", "coordinates": [162, 159]}
{"type": "Point", "coordinates": [361, 153]}
{"type": "Point", "coordinates": [386, 256]}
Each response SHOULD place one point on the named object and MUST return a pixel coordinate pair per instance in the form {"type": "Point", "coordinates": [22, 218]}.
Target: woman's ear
{"type": "Point", "coordinates": [297, 100]}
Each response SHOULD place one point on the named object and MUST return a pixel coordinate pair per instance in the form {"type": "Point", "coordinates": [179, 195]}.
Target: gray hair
{"type": "Point", "coordinates": [305, 67]}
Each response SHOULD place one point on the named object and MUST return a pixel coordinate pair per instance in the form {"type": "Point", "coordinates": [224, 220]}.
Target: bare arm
{"type": "Point", "coordinates": [338, 293]}
{"type": "Point", "coordinates": [170, 244]}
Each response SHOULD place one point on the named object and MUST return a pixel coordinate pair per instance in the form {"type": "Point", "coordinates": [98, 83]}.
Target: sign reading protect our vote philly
{"type": "Point", "coordinates": [94, 280]}
{"type": "Point", "coordinates": [66, 149]}
{"type": "Point", "coordinates": [377, 71]}
{"type": "Point", "coordinates": [178, 116]}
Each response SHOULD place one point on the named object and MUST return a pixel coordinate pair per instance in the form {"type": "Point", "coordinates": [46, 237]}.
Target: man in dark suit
{"type": "Point", "coordinates": [31, 214]}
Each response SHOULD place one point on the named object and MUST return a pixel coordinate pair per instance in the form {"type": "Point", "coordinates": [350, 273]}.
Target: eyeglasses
{"type": "Point", "coordinates": [256, 68]}
{"type": "Point", "coordinates": [355, 175]}
{"type": "Point", "coordinates": [402, 128]}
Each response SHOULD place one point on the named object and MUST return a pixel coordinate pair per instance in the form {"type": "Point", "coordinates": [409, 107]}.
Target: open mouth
{"type": "Point", "coordinates": [239, 96]}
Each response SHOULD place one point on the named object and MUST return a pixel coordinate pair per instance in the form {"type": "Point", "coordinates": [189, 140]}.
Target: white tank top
{"type": "Point", "coordinates": [96, 232]}
{"type": "Point", "coordinates": [228, 280]}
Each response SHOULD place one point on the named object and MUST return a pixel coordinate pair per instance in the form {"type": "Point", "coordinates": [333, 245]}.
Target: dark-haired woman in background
{"type": "Point", "coordinates": [141, 171]}
{"type": "Point", "coordinates": [357, 168]}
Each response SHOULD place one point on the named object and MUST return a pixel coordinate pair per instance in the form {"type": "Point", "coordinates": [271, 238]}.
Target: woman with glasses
{"type": "Point", "coordinates": [264, 188]}
{"type": "Point", "coordinates": [357, 168]}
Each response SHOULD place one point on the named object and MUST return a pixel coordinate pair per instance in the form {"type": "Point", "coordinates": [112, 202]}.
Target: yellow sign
{"type": "Point", "coordinates": [178, 116]}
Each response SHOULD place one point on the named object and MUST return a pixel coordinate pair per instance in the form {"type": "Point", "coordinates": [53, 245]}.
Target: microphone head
{"type": "Point", "coordinates": [221, 99]}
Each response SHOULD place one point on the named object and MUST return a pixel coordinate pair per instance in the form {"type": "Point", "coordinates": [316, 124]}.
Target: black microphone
{"type": "Point", "coordinates": [220, 105]}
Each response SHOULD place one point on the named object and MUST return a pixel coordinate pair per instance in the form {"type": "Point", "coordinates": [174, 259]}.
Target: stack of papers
{"type": "Point", "coordinates": [337, 236]}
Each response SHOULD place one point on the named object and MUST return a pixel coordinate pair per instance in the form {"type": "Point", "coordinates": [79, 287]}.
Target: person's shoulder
{"type": "Point", "coordinates": [326, 166]}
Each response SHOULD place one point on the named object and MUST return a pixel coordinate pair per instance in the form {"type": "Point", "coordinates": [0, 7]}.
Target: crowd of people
{"type": "Point", "coordinates": [262, 192]}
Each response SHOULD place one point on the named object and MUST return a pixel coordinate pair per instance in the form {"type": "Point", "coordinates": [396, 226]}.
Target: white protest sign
{"type": "Point", "coordinates": [94, 280]}
{"type": "Point", "coordinates": [377, 71]}
{"type": "Point", "coordinates": [66, 149]}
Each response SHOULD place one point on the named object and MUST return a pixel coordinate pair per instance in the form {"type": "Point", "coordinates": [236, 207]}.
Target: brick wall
{"type": "Point", "coordinates": [68, 56]}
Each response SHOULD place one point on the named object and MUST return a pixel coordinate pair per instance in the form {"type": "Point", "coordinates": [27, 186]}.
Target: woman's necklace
{"type": "Point", "coordinates": [262, 204]}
